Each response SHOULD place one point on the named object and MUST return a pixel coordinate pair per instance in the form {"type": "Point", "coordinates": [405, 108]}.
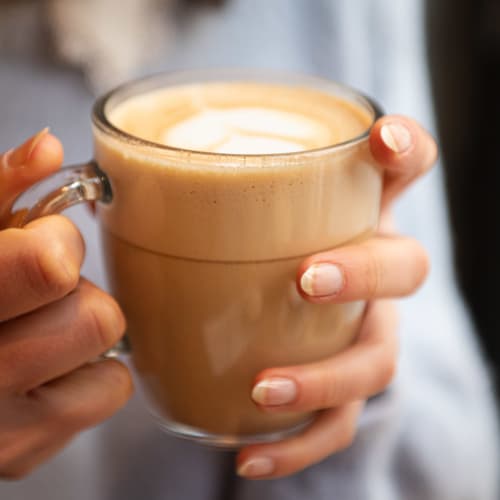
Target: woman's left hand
{"type": "Point", "coordinates": [383, 267]}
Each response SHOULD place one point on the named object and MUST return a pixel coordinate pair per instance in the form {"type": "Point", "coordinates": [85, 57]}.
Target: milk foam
{"type": "Point", "coordinates": [244, 130]}
{"type": "Point", "coordinates": [240, 118]}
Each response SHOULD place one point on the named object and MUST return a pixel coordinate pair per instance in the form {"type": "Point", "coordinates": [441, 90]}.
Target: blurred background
{"type": "Point", "coordinates": [463, 44]}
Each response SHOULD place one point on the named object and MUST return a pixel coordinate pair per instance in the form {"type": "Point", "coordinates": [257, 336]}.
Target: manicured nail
{"type": "Point", "coordinates": [396, 137]}
{"type": "Point", "coordinates": [274, 391]}
{"type": "Point", "coordinates": [21, 155]}
{"type": "Point", "coordinates": [322, 280]}
{"type": "Point", "coordinates": [256, 467]}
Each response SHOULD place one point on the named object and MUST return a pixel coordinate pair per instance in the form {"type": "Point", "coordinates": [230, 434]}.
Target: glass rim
{"type": "Point", "coordinates": [265, 76]}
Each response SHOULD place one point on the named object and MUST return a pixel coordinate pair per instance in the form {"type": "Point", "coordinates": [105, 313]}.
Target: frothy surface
{"type": "Point", "coordinates": [240, 118]}
{"type": "Point", "coordinates": [244, 130]}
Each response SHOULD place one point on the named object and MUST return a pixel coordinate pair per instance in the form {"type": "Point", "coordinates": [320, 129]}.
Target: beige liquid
{"type": "Point", "coordinates": [202, 251]}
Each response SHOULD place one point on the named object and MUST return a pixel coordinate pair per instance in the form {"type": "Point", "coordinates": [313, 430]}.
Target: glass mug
{"type": "Point", "coordinates": [202, 251]}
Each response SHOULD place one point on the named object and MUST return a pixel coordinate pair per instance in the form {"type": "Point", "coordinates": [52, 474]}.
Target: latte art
{"type": "Point", "coordinates": [240, 118]}
{"type": "Point", "coordinates": [244, 130]}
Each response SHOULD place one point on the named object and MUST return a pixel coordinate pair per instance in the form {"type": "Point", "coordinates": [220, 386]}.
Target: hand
{"type": "Point", "coordinates": [385, 266]}
{"type": "Point", "coordinates": [52, 324]}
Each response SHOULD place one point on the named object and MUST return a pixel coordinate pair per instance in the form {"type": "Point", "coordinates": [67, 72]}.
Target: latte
{"type": "Point", "coordinates": [206, 231]}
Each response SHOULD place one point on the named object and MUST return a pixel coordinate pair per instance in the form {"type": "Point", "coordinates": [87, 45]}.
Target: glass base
{"type": "Point", "coordinates": [228, 441]}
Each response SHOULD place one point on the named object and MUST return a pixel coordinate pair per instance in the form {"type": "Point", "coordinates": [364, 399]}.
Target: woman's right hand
{"type": "Point", "coordinates": [53, 324]}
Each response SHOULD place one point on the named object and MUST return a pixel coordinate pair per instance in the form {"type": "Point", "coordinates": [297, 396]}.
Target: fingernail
{"type": "Point", "coordinates": [396, 137]}
{"type": "Point", "coordinates": [274, 391]}
{"type": "Point", "coordinates": [322, 280]}
{"type": "Point", "coordinates": [256, 467]}
{"type": "Point", "coordinates": [21, 155]}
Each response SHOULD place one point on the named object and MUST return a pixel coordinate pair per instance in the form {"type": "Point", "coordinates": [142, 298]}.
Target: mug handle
{"type": "Point", "coordinates": [59, 191]}
{"type": "Point", "coordinates": [63, 189]}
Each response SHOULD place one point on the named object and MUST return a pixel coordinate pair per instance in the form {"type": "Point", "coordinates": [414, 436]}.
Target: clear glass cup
{"type": "Point", "coordinates": [202, 252]}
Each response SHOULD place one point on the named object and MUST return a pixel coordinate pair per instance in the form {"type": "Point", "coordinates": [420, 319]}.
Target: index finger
{"type": "Point", "coordinates": [38, 264]}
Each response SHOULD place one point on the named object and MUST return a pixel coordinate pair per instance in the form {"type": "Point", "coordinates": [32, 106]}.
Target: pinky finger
{"type": "Point", "coordinates": [63, 407]}
{"type": "Point", "coordinates": [332, 431]}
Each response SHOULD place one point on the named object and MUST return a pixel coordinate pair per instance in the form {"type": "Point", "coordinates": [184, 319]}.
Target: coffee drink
{"type": "Point", "coordinates": [220, 189]}
{"type": "Point", "coordinates": [241, 118]}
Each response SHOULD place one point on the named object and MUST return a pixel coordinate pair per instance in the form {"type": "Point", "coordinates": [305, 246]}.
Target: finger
{"type": "Point", "coordinates": [332, 431]}
{"type": "Point", "coordinates": [31, 448]}
{"type": "Point", "coordinates": [57, 338]}
{"type": "Point", "coordinates": [404, 149]}
{"type": "Point", "coordinates": [38, 264]}
{"type": "Point", "coordinates": [64, 407]}
{"type": "Point", "coordinates": [85, 397]}
{"type": "Point", "coordinates": [383, 266]}
{"type": "Point", "coordinates": [39, 156]}
{"type": "Point", "coordinates": [362, 370]}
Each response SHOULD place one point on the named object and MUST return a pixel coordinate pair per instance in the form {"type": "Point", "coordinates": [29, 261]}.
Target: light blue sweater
{"type": "Point", "coordinates": [433, 434]}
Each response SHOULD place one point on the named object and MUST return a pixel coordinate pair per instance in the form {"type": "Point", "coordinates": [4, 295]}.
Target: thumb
{"type": "Point", "coordinates": [21, 167]}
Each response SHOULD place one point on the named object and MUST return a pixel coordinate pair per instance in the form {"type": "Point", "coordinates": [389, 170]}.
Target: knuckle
{"type": "Point", "coordinates": [115, 389]}
{"type": "Point", "coordinates": [120, 381]}
{"type": "Point", "coordinates": [106, 323]}
{"type": "Point", "coordinates": [346, 438]}
{"type": "Point", "coordinates": [330, 389]}
{"type": "Point", "coordinates": [373, 273]}
{"type": "Point", "coordinates": [387, 374]}
{"type": "Point", "coordinates": [432, 154]}
{"type": "Point", "coordinates": [383, 370]}
{"type": "Point", "coordinates": [420, 266]}
{"type": "Point", "coordinates": [348, 430]}
{"type": "Point", "coordinates": [423, 265]}
{"type": "Point", "coordinates": [53, 271]}
{"type": "Point", "coordinates": [384, 347]}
